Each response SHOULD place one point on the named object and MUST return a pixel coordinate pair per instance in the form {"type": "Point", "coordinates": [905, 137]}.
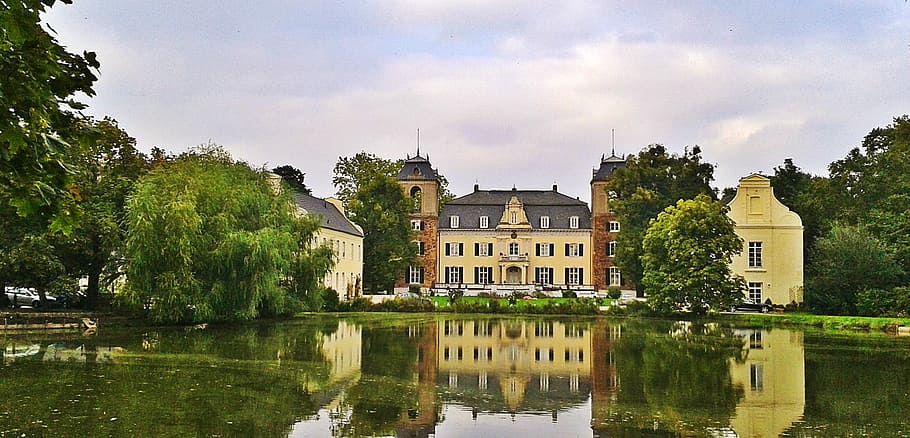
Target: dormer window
{"type": "Point", "coordinates": [453, 221]}
{"type": "Point", "coordinates": [484, 222]}
{"type": "Point", "coordinates": [513, 217]}
{"type": "Point", "coordinates": [545, 222]}
{"type": "Point", "coordinates": [573, 221]}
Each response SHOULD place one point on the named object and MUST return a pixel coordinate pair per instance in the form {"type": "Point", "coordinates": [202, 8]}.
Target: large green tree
{"type": "Point", "coordinates": [687, 254]}
{"type": "Point", "coordinates": [650, 182]}
{"type": "Point", "coordinates": [845, 261]}
{"type": "Point", "coordinates": [294, 178]}
{"type": "Point", "coordinates": [383, 210]}
{"type": "Point", "coordinates": [105, 172]}
{"type": "Point", "coordinates": [210, 239]}
{"type": "Point", "coordinates": [38, 82]}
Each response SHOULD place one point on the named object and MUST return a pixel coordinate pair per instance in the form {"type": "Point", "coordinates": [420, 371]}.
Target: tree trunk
{"type": "Point", "coordinates": [92, 291]}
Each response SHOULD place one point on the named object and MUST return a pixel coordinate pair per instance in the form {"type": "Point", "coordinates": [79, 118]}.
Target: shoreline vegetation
{"type": "Point", "coordinates": [468, 306]}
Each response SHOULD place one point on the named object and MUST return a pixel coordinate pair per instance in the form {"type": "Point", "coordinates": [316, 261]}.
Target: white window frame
{"type": "Point", "coordinates": [611, 249]}
{"type": "Point", "coordinates": [544, 275]}
{"type": "Point", "coordinates": [513, 217]}
{"type": "Point", "coordinates": [755, 291]}
{"type": "Point", "coordinates": [483, 276]}
{"type": "Point", "coordinates": [613, 227]}
{"type": "Point", "coordinates": [454, 277]}
{"type": "Point", "coordinates": [755, 255]}
{"type": "Point", "coordinates": [484, 222]}
{"type": "Point", "coordinates": [514, 249]}
{"type": "Point", "coordinates": [574, 277]}
{"type": "Point", "coordinates": [545, 250]}
{"type": "Point", "coordinates": [615, 276]}
{"type": "Point", "coordinates": [454, 250]}
{"type": "Point", "coordinates": [573, 222]}
{"type": "Point", "coordinates": [545, 222]}
{"type": "Point", "coordinates": [573, 250]}
{"type": "Point", "coordinates": [453, 221]}
{"type": "Point", "coordinates": [414, 274]}
{"type": "Point", "coordinates": [420, 247]}
{"type": "Point", "coordinates": [416, 224]}
{"type": "Point", "coordinates": [482, 249]}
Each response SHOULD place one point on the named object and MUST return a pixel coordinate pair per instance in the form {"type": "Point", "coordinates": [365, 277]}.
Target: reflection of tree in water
{"type": "Point", "coordinates": [217, 382]}
{"type": "Point", "coordinates": [844, 402]}
{"type": "Point", "coordinates": [675, 378]}
{"type": "Point", "coordinates": [387, 388]}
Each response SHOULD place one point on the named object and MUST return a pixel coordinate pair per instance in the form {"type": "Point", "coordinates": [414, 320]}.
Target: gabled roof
{"type": "Point", "coordinates": [491, 203]}
{"type": "Point", "coordinates": [417, 168]}
{"type": "Point", "coordinates": [331, 216]}
{"type": "Point", "coordinates": [607, 167]}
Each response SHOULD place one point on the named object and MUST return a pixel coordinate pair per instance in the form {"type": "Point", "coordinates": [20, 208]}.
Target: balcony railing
{"type": "Point", "coordinates": [513, 258]}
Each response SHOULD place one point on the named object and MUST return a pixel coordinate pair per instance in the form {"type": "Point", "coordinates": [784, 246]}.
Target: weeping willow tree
{"type": "Point", "coordinates": [211, 239]}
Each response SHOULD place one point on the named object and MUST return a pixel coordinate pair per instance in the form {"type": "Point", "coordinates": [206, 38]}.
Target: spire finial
{"type": "Point", "coordinates": [418, 142]}
{"type": "Point", "coordinates": [613, 148]}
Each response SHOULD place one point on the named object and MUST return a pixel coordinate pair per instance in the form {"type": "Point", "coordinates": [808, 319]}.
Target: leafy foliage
{"type": "Point", "coordinates": [847, 260]}
{"type": "Point", "coordinates": [651, 181]}
{"type": "Point", "coordinates": [106, 170]}
{"type": "Point", "coordinates": [382, 209]}
{"type": "Point", "coordinates": [293, 177]}
{"type": "Point", "coordinates": [39, 81]}
{"type": "Point", "coordinates": [210, 240]}
{"type": "Point", "coordinates": [687, 254]}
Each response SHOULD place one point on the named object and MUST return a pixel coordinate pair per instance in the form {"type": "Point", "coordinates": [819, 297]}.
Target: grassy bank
{"type": "Point", "coordinates": [825, 322]}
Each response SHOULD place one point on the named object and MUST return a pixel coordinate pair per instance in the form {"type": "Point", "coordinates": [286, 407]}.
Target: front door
{"type": "Point", "coordinates": [513, 275]}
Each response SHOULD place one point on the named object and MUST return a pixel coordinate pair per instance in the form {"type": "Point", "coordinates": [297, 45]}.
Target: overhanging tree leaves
{"type": "Point", "coordinates": [651, 181]}
{"type": "Point", "coordinates": [687, 254]}
{"type": "Point", "coordinates": [38, 79]}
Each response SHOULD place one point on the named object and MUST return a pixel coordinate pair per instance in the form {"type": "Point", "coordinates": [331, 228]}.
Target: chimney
{"type": "Point", "coordinates": [476, 187]}
{"type": "Point", "coordinates": [554, 187]}
{"type": "Point", "coordinates": [337, 203]}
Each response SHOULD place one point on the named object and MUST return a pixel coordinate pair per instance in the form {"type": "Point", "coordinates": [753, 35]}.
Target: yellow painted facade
{"type": "Point", "coordinates": [772, 257]}
{"type": "Point", "coordinates": [348, 271]}
{"type": "Point", "coordinates": [517, 257]}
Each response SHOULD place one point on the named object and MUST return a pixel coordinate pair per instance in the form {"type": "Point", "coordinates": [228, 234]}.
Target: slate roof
{"type": "Point", "coordinates": [537, 203]}
{"type": "Point", "coordinates": [331, 217]}
{"type": "Point", "coordinates": [417, 168]}
{"type": "Point", "coordinates": [607, 167]}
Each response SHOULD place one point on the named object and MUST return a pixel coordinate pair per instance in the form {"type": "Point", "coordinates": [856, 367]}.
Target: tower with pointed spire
{"type": "Point", "coordinates": [604, 223]}
{"type": "Point", "coordinates": [420, 181]}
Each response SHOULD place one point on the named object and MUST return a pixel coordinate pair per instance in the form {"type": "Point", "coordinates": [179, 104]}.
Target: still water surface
{"type": "Point", "coordinates": [450, 376]}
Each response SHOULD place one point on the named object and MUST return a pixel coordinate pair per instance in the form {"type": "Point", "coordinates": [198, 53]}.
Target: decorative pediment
{"type": "Point", "coordinates": [514, 216]}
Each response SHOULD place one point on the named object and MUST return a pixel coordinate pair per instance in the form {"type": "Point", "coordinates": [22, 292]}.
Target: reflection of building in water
{"type": "Point", "coordinates": [421, 420]}
{"type": "Point", "coordinates": [342, 350]}
{"type": "Point", "coordinates": [605, 380]}
{"type": "Point", "coordinates": [774, 381]}
{"type": "Point", "coordinates": [542, 365]}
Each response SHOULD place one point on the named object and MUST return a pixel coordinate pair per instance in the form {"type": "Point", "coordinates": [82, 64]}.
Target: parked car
{"type": "Point", "coordinates": [20, 296]}
{"type": "Point", "coordinates": [747, 305]}
{"type": "Point", "coordinates": [407, 295]}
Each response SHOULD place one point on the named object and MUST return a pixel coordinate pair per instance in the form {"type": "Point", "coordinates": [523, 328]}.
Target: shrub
{"type": "Point", "coordinates": [484, 295]}
{"type": "Point", "coordinates": [414, 288]}
{"type": "Point", "coordinates": [404, 305]}
{"type": "Point", "coordinates": [569, 294]}
{"type": "Point", "coordinates": [330, 300]}
{"type": "Point", "coordinates": [614, 292]}
{"type": "Point", "coordinates": [880, 302]}
{"type": "Point", "coordinates": [359, 304]}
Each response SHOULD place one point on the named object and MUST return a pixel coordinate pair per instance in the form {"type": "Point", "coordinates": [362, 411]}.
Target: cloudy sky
{"type": "Point", "coordinates": [504, 92]}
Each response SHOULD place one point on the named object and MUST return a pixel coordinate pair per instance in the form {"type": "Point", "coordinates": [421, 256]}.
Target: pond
{"type": "Point", "coordinates": [454, 376]}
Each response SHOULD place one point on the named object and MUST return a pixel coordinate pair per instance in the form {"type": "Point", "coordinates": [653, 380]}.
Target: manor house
{"type": "Point", "coordinates": [527, 240]}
